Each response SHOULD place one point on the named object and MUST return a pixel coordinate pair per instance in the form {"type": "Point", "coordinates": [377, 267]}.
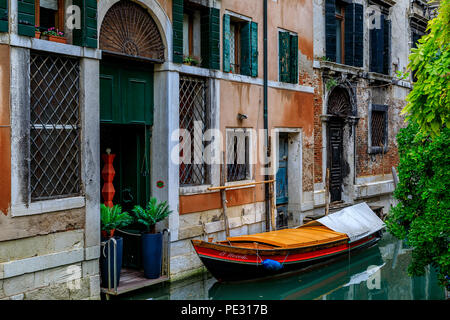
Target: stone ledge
{"type": "Point", "coordinates": [33, 264]}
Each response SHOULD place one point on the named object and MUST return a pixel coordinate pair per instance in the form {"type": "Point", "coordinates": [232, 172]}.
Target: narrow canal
{"type": "Point", "coordinates": [378, 273]}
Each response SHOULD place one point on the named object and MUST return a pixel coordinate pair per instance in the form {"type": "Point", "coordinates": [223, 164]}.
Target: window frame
{"type": "Point", "coordinates": [59, 19]}
{"type": "Point", "coordinates": [378, 108]}
{"type": "Point", "coordinates": [248, 143]}
{"type": "Point", "coordinates": [340, 18]}
{"type": "Point", "coordinates": [291, 34]}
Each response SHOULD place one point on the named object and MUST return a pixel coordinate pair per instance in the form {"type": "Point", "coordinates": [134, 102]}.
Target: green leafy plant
{"type": "Point", "coordinates": [429, 101]}
{"type": "Point", "coordinates": [53, 32]}
{"type": "Point", "coordinates": [153, 213]}
{"type": "Point", "coordinates": [190, 60]}
{"type": "Point", "coordinates": [113, 218]}
{"type": "Point", "coordinates": [422, 216]}
{"type": "Point", "coordinates": [331, 83]}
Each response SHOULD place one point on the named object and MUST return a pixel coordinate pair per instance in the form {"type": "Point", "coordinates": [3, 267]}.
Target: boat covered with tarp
{"type": "Point", "coordinates": [275, 252]}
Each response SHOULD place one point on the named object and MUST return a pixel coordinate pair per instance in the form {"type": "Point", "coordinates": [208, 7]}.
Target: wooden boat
{"type": "Point", "coordinates": [270, 253]}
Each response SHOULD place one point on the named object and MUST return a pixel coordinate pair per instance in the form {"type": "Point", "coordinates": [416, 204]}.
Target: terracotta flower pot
{"type": "Point", "coordinates": [37, 34]}
{"type": "Point", "coordinates": [106, 235]}
{"type": "Point", "coordinates": [57, 39]}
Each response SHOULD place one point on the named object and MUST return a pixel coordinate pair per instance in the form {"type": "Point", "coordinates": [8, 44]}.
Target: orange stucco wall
{"type": "Point", "coordinates": [286, 108]}
{"type": "Point", "coordinates": [5, 131]}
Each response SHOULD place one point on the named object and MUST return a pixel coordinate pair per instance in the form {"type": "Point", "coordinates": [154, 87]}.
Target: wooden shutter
{"type": "Point", "coordinates": [254, 49]}
{"type": "Point", "coordinates": [293, 63]}
{"type": "Point", "coordinates": [284, 56]}
{"type": "Point", "coordinates": [3, 15]}
{"type": "Point", "coordinates": [226, 43]}
{"type": "Point", "coordinates": [246, 49]}
{"type": "Point", "coordinates": [358, 58]}
{"type": "Point", "coordinates": [330, 29]}
{"type": "Point", "coordinates": [354, 35]}
{"type": "Point", "coordinates": [210, 35]}
{"type": "Point", "coordinates": [177, 26]}
{"type": "Point", "coordinates": [25, 9]}
{"type": "Point", "coordinates": [386, 46]}
{"type": "Point", "coordinates": [377, 47]}
{"type": "Point", "coordinates": [87, 35]}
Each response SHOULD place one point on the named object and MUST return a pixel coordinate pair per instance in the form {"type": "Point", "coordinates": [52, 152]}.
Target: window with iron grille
{"type": "Point", "coordinates": [54, 126]}
{"type": "Point", "coordinates": [238, 154]}
{"type": "Point", "coordinates": [194, 121]}
{"type": "Point", "coordinates": [378, 128]}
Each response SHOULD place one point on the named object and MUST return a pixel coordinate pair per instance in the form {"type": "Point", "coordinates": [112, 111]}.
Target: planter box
{"type": "Point", "coordinates": [57, 39]}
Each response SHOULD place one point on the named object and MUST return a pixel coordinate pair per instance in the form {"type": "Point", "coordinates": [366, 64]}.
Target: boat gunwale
{"type": "Point", "coordinates": [267, 252]}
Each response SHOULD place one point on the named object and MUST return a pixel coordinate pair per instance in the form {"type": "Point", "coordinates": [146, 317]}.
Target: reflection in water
{"type": "Point", "coordinates": [375, 273]}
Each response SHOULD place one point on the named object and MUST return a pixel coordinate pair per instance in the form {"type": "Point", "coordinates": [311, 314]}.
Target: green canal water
{"type": "Point", "coordinates": [378, 273]}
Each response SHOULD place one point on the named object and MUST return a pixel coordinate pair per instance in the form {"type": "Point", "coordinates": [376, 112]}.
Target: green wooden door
{"type": "Point", "coordinates": [126, 115]}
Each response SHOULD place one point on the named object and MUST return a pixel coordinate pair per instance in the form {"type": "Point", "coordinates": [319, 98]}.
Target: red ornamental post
{"type": "Point", "coordinates": [108, 173]}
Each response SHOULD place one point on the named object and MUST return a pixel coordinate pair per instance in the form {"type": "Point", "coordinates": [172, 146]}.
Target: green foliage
{"type": "Point", "coordinates": [429, 102]}
{"type": "Point", "coordinates": [153, 213]}
{"type": "Point", "coordinates": [113, 218]}
{"type": "Point", "coordinates": [422, 216]}
{"type": "Point", "coordinates": [331, 83]}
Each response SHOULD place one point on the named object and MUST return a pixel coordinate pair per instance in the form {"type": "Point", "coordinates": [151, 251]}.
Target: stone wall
{"type": "Point", "coordinates": [53, 266]}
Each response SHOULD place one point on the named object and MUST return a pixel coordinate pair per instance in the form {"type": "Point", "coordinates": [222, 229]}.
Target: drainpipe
{"type": "Point", "coordinates": [266, 126]}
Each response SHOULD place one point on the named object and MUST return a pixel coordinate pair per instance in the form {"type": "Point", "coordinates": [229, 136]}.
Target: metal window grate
{"type": "Point", "coordinates": [237, 155]}
{"type": "Point", "coordinates": [54, 127]}
{"type": "Point", "coordinates": [194, 118]}
{"type": "Point", "coordinates": [378, 128]}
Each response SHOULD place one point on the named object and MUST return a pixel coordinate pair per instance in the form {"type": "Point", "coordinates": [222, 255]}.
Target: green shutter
{"type": "Point", "coordinates": [210, 38]}
{"type": "Point", "coordinates": [358, 60]}
{"type": "Point", "coordinates": [284, 56]}
{"type": "Point", "coordinates": [354, 37]}
{"type": "Point", "coordinates": [25, 9]}
{"type": "Point", "coordinates": [246, 49]}
{"type": "Point", "coordinates": [330, 29]}
{"type": "Point", "coordinates": [254, 49]}
{"type": "Point", "coordinates": [293, 67]}
{"type": "Point", "coordinates": [377, 47]}
{"type": "Point", "coordinates": [177, 25]}
{"type": "Point", "coordinates": [226, 43]}
{"type": "Point", "coordinates": [386, 46]}
{"type": "Point", "coordinates": [3, 15]}
{"type": "Point", "coordinates": [87, 35]}
{"type": "Point", "coordinates": [349, 35]}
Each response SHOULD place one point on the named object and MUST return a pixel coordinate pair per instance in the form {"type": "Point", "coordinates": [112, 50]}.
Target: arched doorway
{"type": "Point", "coordinates": [131, 45]}
{"type": "Point", "coordinates": [339, 108]}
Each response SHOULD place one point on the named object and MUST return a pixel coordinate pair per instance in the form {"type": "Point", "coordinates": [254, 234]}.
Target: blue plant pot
{"type": "Point", "coordinates": [152, 254]}
{"type": "Point", "coordinates": [107, 255]}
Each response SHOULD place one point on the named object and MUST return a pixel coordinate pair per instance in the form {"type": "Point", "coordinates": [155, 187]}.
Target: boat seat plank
{"type": "Point", "coordinates": [289, 238]}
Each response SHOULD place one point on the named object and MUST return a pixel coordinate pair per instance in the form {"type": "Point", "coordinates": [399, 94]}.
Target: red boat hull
{"type": "Point", "coordinates": [226, 265]}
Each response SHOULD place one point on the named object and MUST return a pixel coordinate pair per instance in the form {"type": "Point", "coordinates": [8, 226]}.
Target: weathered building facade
{"type": "Point", "coordinates": [173, 88]}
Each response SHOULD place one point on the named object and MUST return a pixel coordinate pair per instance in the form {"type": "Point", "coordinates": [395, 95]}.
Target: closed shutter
{"type": "Point", "coordinates": [386, 46]}
{"type": "Point", "coordinates": [246, 49]}
{"type": "Point", "coordinates": [177, 26]}
{"type": "Point", "coordinates": [25, 9]}
{"type": "Point", "coordinates": [293, 67]}
{"type": "Point", "coordinates": [377, 47]}
{"type": "Point", "coordinates": [254, 49]}
{"type": "Point", "coordinates": [226, 43]}
{"type": "Point", "coordinates": [330, 29]}
{"type": "Point", "coordinates": [358, 59]}
{"type": "Point", "coordinates": [349, 35]}
{"type": "Point", "coordinates": [284, 56]}
{"type": "Point", "coordinates": [3, 15]}
{"type": "Point", "coordinates": [210, 36]}
{"type": "Point", "coordinates": [354, 35]}
{"type": "Point", "coordinates": [87, 35]}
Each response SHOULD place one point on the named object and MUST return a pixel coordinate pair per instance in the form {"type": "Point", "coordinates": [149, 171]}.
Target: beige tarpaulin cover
{"type": "Point", "coordinates": [356, 221]}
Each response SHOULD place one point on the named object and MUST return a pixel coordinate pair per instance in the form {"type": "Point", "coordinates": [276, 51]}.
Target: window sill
{"type": "Point", "coordinates": [53, 47]}
{"type": "Point", "coordinates": [46, 206]}
{"type": "Point", "coordinates": [235, 184]}
{"type": "Point", "coordinates": [191, 190]}
{"type": "Point", "coordinates": [334, 66]}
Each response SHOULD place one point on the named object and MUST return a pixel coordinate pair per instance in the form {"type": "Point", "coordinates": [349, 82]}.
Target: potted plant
{"type": "Point", "coordinates": [55, 35]}
{"type": "Point", "coordinates": [151, 241]}
{"type": "Point", "coordinates": [112, 218]}
{"type": "Point", "coordinates": [37, 32]}
{"type": "Point", "coordinates": [192, 61]}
